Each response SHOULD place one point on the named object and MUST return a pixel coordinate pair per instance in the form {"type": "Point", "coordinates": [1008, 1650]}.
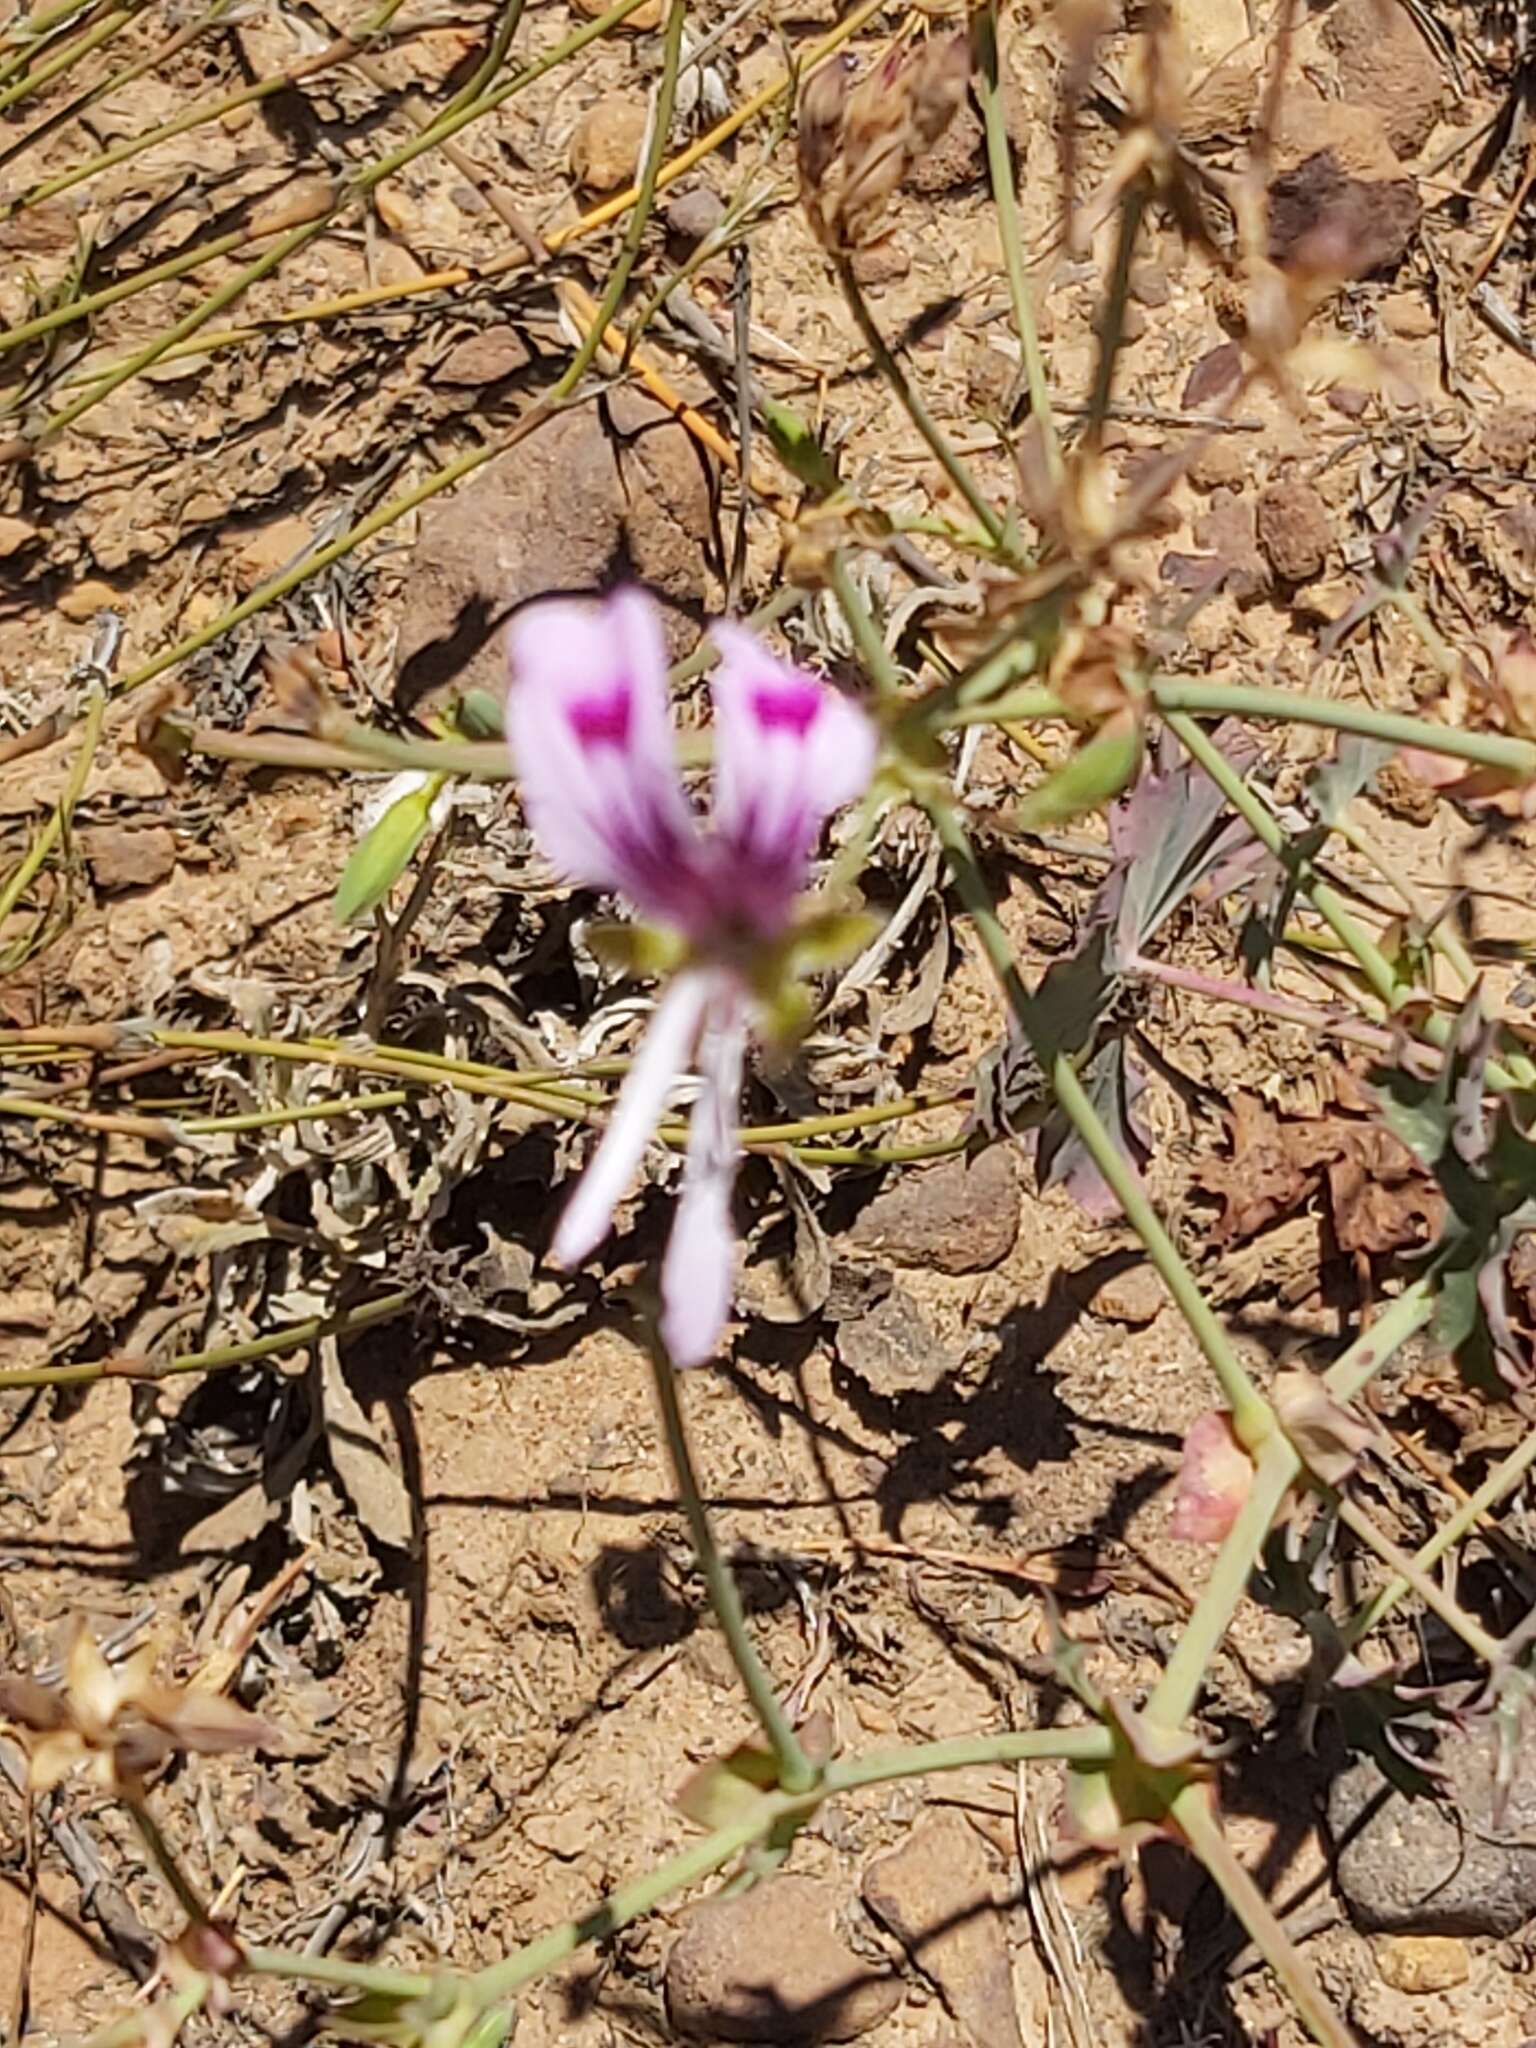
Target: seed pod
{"type": "Point", "coordinates": [939, 80]}
{"type": "Point", "coordinates": [819, 133]}
{"type": "Point", "coordinates": [381, 857]}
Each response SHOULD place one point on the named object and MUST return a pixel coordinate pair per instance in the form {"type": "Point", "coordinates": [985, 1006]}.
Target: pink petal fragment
{"type": "Point", "coordinates": [789, 751]}
{"type": "Point", "coordinates": [590, 729]}
{"type": "Point", "coordinates": [664, 1054]}
{"type": "Point", "coordinates": [699, 1270]}
{"type": "Point", "coordinates": [1214, 1480]}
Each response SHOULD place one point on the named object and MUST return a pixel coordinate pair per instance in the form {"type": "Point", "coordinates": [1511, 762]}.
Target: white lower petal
{"type": "Point", "coordinates": [699, 1271]}
{"type": "Point", "coordinates": [665, 1052]}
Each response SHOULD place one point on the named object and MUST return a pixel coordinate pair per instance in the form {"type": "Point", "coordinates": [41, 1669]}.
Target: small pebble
{"type": "Point", "coordinates": [15, 534]}
{"type": "Point", "coordinates": [1423, 1962]}
{"type": "Point", "coordinates": [605, 149]}
{"type": "Point", "coordinates": [1294, 530]}
{"type": "Point", "coordinates": [692, 215]}
{"type": "Point", "coordinates": [83, 600]}
{"type": "Point", "coordinates": [1406, 315]}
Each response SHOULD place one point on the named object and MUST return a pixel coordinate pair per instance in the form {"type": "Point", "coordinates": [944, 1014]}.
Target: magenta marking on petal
{"type": "Point", "coordinates": [787, 707]}
{"type": "Point", "coordinates": [603, 721]}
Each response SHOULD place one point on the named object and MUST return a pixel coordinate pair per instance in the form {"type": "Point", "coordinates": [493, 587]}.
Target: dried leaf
{"type": "Point", "coordinates": [367, 1466]}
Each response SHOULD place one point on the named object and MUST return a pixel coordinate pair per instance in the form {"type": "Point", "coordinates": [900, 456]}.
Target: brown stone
{"type": "Point", "coordinates": [565, 509]}
{"type": "Point", "coordinates": [1355, 137]}
{"type": "Point", "coordinates": [960, 1217]}
{"type": "Point", "coordinates": [1418, 1963]}
{"type": "Point", "coordinates": [935, 1895]}
{"type": "Point", "coordinates": [16, 534]}
{"type": "Point", "coordinates": [1408, 316]}
{"type": "Point", "coordinates": [83, 600]}
{"type": "Point", "coordinates": [766, 1965]}
{"type": "Point", "coordinates": [1135, 1297]}
{"type": "Point", "coordinates": [1383, 61]}
{"type": "Point", "coordinates": [1324, 219]}
{"type": "Point", "coordinates": [128, 856]}
{"type": "Point", "coordinates": [1294, 530]}
{"type": "Point", "coordinates": [1508, 437]}
{"type": "Point", "coordinates": [880, 263]}
{"type": "Point", "coordinates": [692, 215]}
{"type": "Point", "coordinates": [894, 1349]}
{"type": "Point", "coordinates": [647, 15]}
{"type": "Point", "coordinates": [270, 549]}
{"type": "Point", "coordinates": [484, 358]}
{"type": "Point", "coordinates": [605, 149]}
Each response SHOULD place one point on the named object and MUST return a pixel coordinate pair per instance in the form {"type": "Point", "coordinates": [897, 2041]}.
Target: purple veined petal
{"type": "Point", "coordinates": [665, 1052]}
{"type": "Point", "coordinates": [699, 1270]}
{"type": "Point", "coordinates": [789, 751]}
{"type": "Point", "coordinates": [590, 729]}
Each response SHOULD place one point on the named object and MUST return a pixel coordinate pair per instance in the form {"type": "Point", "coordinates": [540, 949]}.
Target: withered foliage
{"type": "Point", "coordinates": [857, 142]}
{"type": "Point", "coordinates": [120, 1722]}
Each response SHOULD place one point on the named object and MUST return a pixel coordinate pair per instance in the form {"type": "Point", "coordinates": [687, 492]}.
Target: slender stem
{"type": "Point", "coordinates": [1434, 1596]}
{"type": "Point", "coordinates": [1112, 319]}
{"type": "Point", "coordinates": [337, 1970]}
{"type": "Point", "coordinates": [156, 2023]}
{"type": "Point", "coordinates": [1251, 1418]}
{"type": "Point", "coordinates": [628, 1901]}
{"type": "Point", "coordinates": [1353, 1369]}
{"type": "Point", "coordinates": [1324, 898]}
{"type": "Point", "coordinates": [1005, 199]}
{"type": "Point", "coordinates": [1436, 1027]}
{"type": "Point", "coordinates": [645, 199]}
{"type": "Point", "coordinates": [879, 663]}
{"type": "Point", "coordinates": [109, 26]}
{"type": "Point", "coordinates": [58, 819]}
{"type": "Point", "coordinates": [200, 114]}
{"type": "Point", "coordinates": [1195, 1815]}
{"type": "Point", "coordinates": [1516, 757]}
{"type": "Point", "coordinates": [1500, 1481]}
{"type": "Point", "coordinates": [292, 1337]}
{"type": "Point", "coordinates": [1177, 1690]}
{"type": "Point", "coordinates": [1089, 1745]}
{"type": "Point", "coordinates": [160, 1852]}
{"type": "Point", "coordinates": [796, 1773]}
{"type": "Point", "coordinates": [913, 406]}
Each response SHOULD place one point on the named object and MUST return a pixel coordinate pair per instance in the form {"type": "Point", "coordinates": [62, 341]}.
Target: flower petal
{"type": "Point", "coordinates": [698, 1272]}
{"type": "Point", "coordinates": [789, 751]}
{"type": "Point", "coordinates": [591, 735]}
{"type": "Point", "coordinates": [664, 1053]}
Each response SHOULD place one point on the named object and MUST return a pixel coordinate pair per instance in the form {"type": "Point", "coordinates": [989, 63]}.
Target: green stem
{"type": "Point", "coordinates": [1353, 1369]}
{"type": "Point", "coordinates": [628, 1901]}
{"type": "Point", "coordinates": [1251, 1418]}
{"type": "Point", "coordinates": [1416, 1579]}
{"type": "Point", "coordinates": [913, 406]}
{"type": "Point", "coordinates": [1112, 320]}
{"type": "Point", "coordinates": [1514, 1072]}
{"type": "Point", "coordinates": [57, 823]}
{"type": "Point", "coordinates": [796, 1772]}
{"type": "Point", "coordinates": [357, 186]}
{"type": "Point", "coordinates": [1090, 1745]}
{"type": "Point", "coordinates": [1174, 1697]}
{"type": "Point", "coordinates": [201, 114]}
{"type": "Point", "coordinates": [337, 1971]}
{"type": "Point", "coordinates": [1005, 199]}
{"type": "Point", "coordinates": [1194, 1813]}
{"type": "Point", "coordinates": [1500, 1481]}
{"type": "Point", "coordinates": [160, 1853]}
{"type": "Point", "coordinates": [1515, 757]}
{"type": "Point", "coordinates": [292, 1337]}
{"type": "Point", "coordinates": [879, 662]}
{"type": "Point", "coordinates": [109, 26]}
{"type": "Point", "coordinates": [640, 212]}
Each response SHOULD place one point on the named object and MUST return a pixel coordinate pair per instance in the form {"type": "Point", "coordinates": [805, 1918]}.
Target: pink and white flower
{"type": "Point", "coordinates": [592, 740]}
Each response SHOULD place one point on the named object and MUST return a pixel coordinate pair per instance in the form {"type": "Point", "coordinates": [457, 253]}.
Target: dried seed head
{"type": "Point", "coordinates": [819, 127]}
{"type": "Point", "coordinates": [939, 78]}
{"type": "Point", "coordinates": [857, 145]}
